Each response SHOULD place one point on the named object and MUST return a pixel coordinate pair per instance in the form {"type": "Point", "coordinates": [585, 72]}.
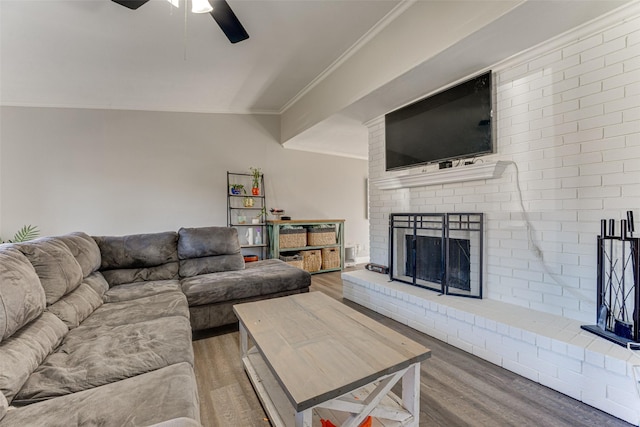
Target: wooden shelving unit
{"type": "Point", "coordinates": [275, 251]}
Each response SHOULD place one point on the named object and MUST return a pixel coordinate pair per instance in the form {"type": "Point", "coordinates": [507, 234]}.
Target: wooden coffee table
{"type": "Point", "coordinates": [312, 357]}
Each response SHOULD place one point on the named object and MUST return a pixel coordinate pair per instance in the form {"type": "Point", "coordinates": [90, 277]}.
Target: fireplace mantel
{"type": "Point", "coordinates": [476, 172]}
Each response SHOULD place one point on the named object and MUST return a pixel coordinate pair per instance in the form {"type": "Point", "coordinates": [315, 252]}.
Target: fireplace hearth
{"type": "Point", "coordinates": [441, 252]}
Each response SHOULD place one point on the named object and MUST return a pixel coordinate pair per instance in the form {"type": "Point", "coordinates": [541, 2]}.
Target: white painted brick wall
{"type": "Point", "coordinates": [570, 118]}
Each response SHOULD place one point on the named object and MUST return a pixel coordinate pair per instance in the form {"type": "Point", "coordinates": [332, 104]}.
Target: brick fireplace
{"type": "Point", "coordinates": [568, 150]}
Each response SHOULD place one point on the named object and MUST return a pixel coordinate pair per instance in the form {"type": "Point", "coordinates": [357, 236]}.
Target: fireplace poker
{"type": "Point", "coordinates": [634, 247]}
{"type": "Point", "coordinates": [611, 234]}
{"type": "Point", "coordinates": [623, 239]}
{"type": "Point", "coordinates": [634, 265]}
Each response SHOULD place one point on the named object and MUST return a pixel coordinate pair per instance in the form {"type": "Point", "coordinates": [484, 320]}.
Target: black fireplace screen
{"type": "Point", "coordinates": [429, 265]}
{"type": "Point", "coordinates": [441, 252]}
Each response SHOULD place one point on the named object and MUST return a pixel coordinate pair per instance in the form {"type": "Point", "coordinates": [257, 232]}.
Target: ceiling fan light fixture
{"type": "Point", "coordinates": [200, 6]}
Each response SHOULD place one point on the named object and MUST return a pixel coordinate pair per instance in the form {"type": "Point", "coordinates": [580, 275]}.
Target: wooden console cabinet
{"type": "Point", "coordinates": [275, 251]}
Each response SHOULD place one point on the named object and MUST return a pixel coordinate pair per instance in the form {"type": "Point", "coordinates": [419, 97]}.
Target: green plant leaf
{"type": "Point", "coordinates": [28, 232]}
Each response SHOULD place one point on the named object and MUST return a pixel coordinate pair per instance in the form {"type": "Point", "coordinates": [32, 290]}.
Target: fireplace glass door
{"type": "Point", "coordinates": [441, 252]}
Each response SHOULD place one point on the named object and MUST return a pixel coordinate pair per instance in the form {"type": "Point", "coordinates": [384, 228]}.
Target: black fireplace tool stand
{"type": "Point", "coordinates": [618, 284]}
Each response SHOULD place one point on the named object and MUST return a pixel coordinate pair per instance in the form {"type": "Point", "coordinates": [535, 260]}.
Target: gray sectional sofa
{"type": "Point", "coordinates": [97, 330]}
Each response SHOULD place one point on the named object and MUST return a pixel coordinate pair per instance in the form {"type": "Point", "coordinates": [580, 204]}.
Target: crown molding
{"type": "Point", "coordinates": [135, 108]}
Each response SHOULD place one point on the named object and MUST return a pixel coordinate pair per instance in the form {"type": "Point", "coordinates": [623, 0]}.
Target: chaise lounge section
{"type": "Point", "coordinates": [97, 330]}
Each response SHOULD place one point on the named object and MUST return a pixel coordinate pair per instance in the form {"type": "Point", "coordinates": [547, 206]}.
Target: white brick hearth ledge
{"type": "Point", "coordinates": [545, 348]}
{"type": "Point", "coordinates": [475, 172]}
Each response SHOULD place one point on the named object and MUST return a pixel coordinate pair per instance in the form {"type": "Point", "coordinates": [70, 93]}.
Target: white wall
{"type": "Point", "coordinates": [117, 172]}
{"type": "Point", "coordinates": [568, 114]}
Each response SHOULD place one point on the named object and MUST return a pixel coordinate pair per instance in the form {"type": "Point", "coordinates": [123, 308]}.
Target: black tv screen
{"type": "Point", "coordinates": [452, 124]}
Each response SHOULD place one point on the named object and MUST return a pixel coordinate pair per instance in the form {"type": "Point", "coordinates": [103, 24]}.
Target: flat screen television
{"type": "Point", "coordinates": [452, 124]}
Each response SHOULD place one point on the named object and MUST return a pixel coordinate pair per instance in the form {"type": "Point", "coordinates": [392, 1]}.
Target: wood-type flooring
{"type": "Point", "coordinates": [457, 388]}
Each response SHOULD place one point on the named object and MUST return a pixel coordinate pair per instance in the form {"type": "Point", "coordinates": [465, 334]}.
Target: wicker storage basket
{"type": "Point", "coordinates": [330, 258]}
{"type": "Point", "coordinates": [293, 237]}
{"type": "Point", "coordinates": [295, 260]}
{"type": "Point", "coordinates": [321, 236]}
{"type": "Point", "coordinates": [312, 260]}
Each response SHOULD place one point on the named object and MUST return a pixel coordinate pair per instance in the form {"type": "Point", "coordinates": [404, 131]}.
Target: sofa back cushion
{"type": "Point", "coordinates": [22, 297]}
{"type": "Point", "coordinates": [57, 268]}
{"type": "Point", "coordinates": [139, 257]}
{"type": "Point", "coordinates": [208, 250]}
{"type": "Point", "coordinates": [97, 282]}
{"type": "Point", "coordinates": [77, 305]}
{"type": "Point", "coordinates": [84, 249]}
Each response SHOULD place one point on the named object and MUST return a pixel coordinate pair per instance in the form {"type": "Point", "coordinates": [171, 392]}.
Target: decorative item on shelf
{"type": "Point", "coordinates": [237, 189]}
{"type": "Point", "coordinates": [321, 235]}
{"type": "Point", "coordinates": [293, 237]}
{"type": "Point", "coordinates": [294, 260]}
{"type": "Point", "coordinates": [330, 258]}
{"type": "Point", "coordinates": [312, 260]}
{"type": "Point", "coordinates": [250, 258]}
{"type": "Point", "coordinates": [260, 218]}
{"type": "Point", "coordinates": [255, 185]}
{"type": "Point", "coordinates": [258, 237]}
{"type": "Point", "coordinates": [242, 219]}
{"type": "Point", "coordinates": [247, 202]}
{"type": "Point", "coordinates": [249, 234]}
{"type": "Point", "coordinates": [277, 212]}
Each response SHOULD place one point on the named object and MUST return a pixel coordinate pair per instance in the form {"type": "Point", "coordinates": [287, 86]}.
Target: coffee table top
{"type": "Point", "coordinates": [319, 349]}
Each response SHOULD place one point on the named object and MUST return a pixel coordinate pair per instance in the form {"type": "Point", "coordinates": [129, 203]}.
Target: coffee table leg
{"type": "Point", "coordinates": [304, 418]}
{"type": "Point", "coordinates": [244, 341]}
{"type": "Point", "coordinates": [411, 392]}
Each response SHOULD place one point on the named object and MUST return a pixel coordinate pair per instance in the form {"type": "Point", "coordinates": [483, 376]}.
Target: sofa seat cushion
{"type": "Point", "coordinates": [220, 314]}
{"type": "Point", "coordinates": [94, 356]}
{"type": "Point", "coordinates": [139, 310]}
{"type": "Point", "coordinates": [84, 249]}
{"type": "Point", "coordinates": [21, 354]}
{"type": "Point", "coordinates": [22, 297]}
{"type": "Point", "coordinates": [258, 278]}
{"type": "Point", "coordinates": [139, 257]}
{"type": "Point", "coordinates": [208, 250]}
{"type": "Point", "coordinates": [4, 406]}
{"type": "Point", "coordinates": [131, 291]}
{"type": "Point", "coordinates": [146, 399]}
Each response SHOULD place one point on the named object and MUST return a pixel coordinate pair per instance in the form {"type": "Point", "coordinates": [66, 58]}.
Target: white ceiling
{"type": "Point", "coordinates": [98, 54]}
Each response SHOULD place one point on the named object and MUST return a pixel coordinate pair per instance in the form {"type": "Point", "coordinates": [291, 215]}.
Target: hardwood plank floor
{"type": "Point", "coordinates": [456, 388]}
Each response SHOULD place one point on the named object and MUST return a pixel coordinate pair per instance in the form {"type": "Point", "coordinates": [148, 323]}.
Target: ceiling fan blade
{"type": "Point", "coordinates": [228, 21]}
{"type": "Point", "coordinates": [131, 4]}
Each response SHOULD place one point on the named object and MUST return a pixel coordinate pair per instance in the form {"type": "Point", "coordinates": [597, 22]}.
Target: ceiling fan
{"type": "Point", "coordinates": [219, 10]}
